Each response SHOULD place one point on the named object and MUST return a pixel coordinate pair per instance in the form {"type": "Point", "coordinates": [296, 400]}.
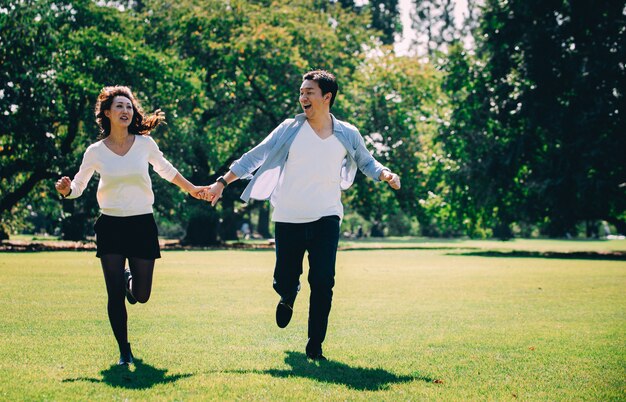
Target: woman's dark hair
{"type": "Point", "coordinates": [140, 124]}
{"type": "Point", "coordinates": [326, 81]}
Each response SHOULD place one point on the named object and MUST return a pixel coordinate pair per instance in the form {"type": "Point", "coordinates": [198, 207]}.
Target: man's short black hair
{"type": "Point", "coordinates": [326, 81]}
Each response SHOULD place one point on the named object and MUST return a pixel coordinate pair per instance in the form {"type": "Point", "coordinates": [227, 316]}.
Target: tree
{"type": "Point", "coordinates": [397, 104]}
{"type": "Point", "coordinates": [536, 130]}
{"type": "Point", "coordinates": [26, 103]}
{"type": "Point", "coordinates": [386, 18]}
{"type": "Point", "coordinates": [434, 24]}
{"type": "Point", "coordinates": [56, 55]}
{"type": "Point", "coordinates": [438, 27]}
{"type": "Point", "coordinates": [384, 15]}
{"type": "Point", "coordinates": [251, 56]}
{"type": "Point", "coordinates": [226, 73]}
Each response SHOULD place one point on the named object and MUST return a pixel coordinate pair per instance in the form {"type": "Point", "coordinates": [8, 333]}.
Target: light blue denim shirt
{"type": "Point", "coordinates": [270, 155]}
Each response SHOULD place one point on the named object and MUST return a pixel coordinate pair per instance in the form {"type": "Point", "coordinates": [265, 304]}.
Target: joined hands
{"type": "Point", "coordinates": [212, 193]}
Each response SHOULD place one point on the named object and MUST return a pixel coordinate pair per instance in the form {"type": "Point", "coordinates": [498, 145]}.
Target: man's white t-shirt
{"type": "Point", "coordinates": [309, 185]}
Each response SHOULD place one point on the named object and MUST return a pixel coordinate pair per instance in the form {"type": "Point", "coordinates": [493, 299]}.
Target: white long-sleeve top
{"type": "Point", "coordinates": [125, 188]}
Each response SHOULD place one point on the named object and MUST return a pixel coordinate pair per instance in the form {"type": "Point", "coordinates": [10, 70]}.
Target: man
{"type": "Point", "coordinates": [302, 167]}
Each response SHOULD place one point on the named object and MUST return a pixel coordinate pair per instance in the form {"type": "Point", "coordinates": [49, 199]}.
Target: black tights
{"type": "Point", "coordinates": [141, 286]}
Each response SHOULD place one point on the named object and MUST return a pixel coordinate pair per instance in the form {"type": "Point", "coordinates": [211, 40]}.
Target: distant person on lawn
{"type": "Point", "coordinates": [302, 166]}
{"type": "Point", "coordinates": [126, 229]}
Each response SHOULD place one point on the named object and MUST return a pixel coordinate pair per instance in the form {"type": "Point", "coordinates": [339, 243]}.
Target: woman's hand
{"type": "Point", "coordinates": [160, 115]}
{"type": "Point", "coordinates": [63, 186]}
{"type": "Point", "coordinates": [197, 192]}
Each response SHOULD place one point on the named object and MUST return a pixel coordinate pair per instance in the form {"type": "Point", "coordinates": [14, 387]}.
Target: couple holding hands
{"type": "Point", "coordinates": [301, 167]}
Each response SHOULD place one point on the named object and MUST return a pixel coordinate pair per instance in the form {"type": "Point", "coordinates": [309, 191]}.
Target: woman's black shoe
{"type": "Point", "coordinates": [126, 356]}
{"type": "Point", "coordinates": [129, 295]}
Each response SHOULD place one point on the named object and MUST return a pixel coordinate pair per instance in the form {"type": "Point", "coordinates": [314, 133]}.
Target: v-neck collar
{"type": "Point", "coordinates": [317, 135]}
{"type": "Point", "coordinates": [127, 152]}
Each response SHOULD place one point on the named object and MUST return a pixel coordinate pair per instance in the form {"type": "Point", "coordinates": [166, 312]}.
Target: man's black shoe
{"type": "Point", "coordinates": [129, 295]}
{"type": "Point", "coordinates": [126, 356]}
{"type": "Point", "coordinates": [284, 311]}
{"type": "Point", "coordinates": [314, 351]}
{"type": "Point", "coordinates": [316, 357]}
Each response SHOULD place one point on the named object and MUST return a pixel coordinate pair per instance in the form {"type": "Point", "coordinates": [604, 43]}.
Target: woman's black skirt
{"type": "Point", "coordinates": [131, 236]}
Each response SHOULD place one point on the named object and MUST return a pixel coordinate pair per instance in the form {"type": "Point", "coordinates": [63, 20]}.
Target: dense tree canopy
{"type": "Point", "coordinates": [74, 49]}
{"type": "Point", "coordinates": [538, 123]}
{"type": "Point", "coordinates": [523, 132]}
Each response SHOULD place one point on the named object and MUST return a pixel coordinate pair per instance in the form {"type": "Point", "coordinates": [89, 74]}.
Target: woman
{"type": "Point", "coordinates": [126, 229]}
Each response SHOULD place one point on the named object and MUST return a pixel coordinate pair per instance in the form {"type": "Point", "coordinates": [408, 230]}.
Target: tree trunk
{"type": "Point", "coordinates": [503, 231]}
{"type": "Point", "coordinates": [228, 227]}
{"type": "Point", "coordinates": [263, 226]}
{"type": "Point", "coordinates": [591, 229]}
{"type": "Point", "coordinates": [202, 227]}
{"type": "Point", "coordinates": [75, 226]}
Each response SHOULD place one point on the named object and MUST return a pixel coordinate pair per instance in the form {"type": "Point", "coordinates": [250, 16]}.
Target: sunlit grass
{"type": "Point", "coordinates": [406, 325]}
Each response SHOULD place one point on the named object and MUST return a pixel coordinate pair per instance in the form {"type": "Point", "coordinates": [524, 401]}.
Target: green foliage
{"type": "Point", "coordinates": [435, 26]}
{"type": "Point", "coordinates": [250, 59]}
{"type": "Point", "coordinates": [225, 73]}
{"type": "Point", "coordinates": [75, 49]}
{"type": "Point", "coordinates": [537, 128]}
{"type": "Point", "coordinates": [397, 104]}
{"type": "Point", "coordinates": [386, 18]}
{"type": "Point", "coordinates": [383, 15]}
{"type": "Point", "coordinates": [526, 133]}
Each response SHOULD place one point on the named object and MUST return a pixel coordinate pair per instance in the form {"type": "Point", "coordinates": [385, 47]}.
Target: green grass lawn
{"type": "Point", "coordinates": [415, 324]}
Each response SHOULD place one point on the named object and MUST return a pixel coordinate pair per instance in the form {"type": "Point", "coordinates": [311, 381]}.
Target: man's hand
{"type": "Point", "coordinates": [391, 178]}
{"type": "Point", "coordinates": [212, 193]}
{"type": "Point", "coordinates": [63, 186]}
{"type": "Point", "coordinates": [197, 191]}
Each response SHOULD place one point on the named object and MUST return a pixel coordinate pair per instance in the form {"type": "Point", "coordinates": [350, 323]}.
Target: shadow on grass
{"type": "Point", "coordinates": [143, 376]}
{"type": "Point", "coordinates": [358, 378]}
{"type": "Point", "coordinates": [395, 248]}
{"type": "Point", "coordinates": [574, 255]}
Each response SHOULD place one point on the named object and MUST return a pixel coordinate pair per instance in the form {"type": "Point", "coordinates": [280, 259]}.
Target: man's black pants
{"type": "Point", "coordinates": [320, 239]}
